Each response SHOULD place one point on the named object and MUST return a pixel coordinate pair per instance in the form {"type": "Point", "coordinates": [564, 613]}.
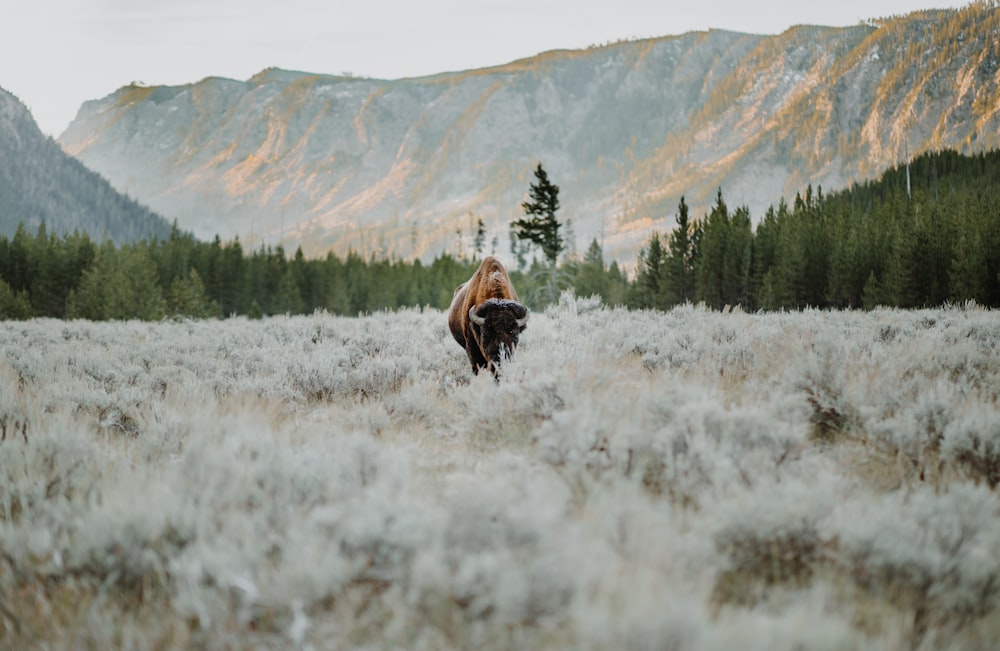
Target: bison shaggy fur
{"type": "Point", "coordinates": [486, 318]}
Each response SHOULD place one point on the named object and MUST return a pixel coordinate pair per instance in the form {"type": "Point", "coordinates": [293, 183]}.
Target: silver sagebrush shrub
{"type": "Point", "coordinates": [635, 480]}
{"type": "Point", "coordinates": [972, 441]}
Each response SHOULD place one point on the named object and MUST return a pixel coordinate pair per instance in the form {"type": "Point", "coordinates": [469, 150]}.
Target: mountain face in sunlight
{"type": "Point", "coordinates": [408, 167]}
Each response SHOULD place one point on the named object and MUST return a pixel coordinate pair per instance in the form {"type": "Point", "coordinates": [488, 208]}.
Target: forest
{"type": "Point", "coordinates": [924, 234]}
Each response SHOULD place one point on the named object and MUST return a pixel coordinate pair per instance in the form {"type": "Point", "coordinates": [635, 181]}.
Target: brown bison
{"type": "Point", "coordinates": [485, 317]}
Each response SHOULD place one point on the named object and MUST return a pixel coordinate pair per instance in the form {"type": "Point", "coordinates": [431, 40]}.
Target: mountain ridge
{"type": "Point", "coordinates": [41, 184]}
{"type": "Point", "coordinates": [406, 167]}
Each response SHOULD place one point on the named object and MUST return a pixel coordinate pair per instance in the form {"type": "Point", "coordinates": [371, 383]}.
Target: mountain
{"type": "Point", "coordinates": [407, 167]}
{"type": "Point", "coordinates": [40, 183]}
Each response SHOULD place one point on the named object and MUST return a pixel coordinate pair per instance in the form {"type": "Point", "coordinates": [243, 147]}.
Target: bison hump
{"type": "Point", "coordinates": [498, 284]}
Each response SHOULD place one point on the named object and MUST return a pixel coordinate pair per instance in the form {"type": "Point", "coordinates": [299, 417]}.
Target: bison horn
{"type": "Point", "coordinates": [520, 314]}
{"type": "Point", "coordinates": [478, 320]}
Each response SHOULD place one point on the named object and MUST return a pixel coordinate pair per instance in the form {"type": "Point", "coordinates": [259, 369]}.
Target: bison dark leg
{"type": "Point", "coordinates": [476, 358]}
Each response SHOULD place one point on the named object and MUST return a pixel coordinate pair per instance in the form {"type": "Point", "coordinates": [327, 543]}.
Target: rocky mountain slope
{"type": "Point", "coordinates": [40, 183]}
{"type": "Point", "coordinates": [406, 167]}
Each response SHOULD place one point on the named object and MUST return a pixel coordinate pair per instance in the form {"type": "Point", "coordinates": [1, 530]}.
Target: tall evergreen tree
{"type": "Point", "coordinates": [969, 273]}
{"type": "Point", "coordinates": [479, 241]}
{"type": "Point", "coordinates": [18, 264]}
{"type": "Point", "coordinates": [617, 291]}
{"type": "Point", "coordinates": [44, 270]}
{"type": "Point", "coordinates": [762, 256]}
{"type": "Point", "coordinates": [783, 283]}
{"type": "Point", "coordinates": [811, 215]}
{"type": "Point", "coordinates": [230, 272]}
{"type": "Point", "coordinates": [681, 255]}
{"type": "Point", "coordinates": [518, 248]}
{"type": "Point", "coordinates": [736, 278]}
{"type": "Point", "coordinates": [540, 225]}
{"type": "Point", "coordinates": [288, 297]}
{"type": "Point", "coordinates": [848, 273]}
{"type": "Point", "coordinates": [711, 269]}
{"type": "Point", "coordinates": [648, 290]}
{"type": "Point", "coordinates": [335, 279]}
{"type": "Point", "coordinates": [591, 278]}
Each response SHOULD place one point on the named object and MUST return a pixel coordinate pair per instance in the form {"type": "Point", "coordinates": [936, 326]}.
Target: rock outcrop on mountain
{"type": "Point", "coordinates": [408, 167]}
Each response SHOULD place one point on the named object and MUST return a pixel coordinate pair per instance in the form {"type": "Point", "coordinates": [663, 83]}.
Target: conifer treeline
{"type": "Point", "coordinates": [875, 244]}
{"type": "Point", "coordinates": [44, 275]}
{"type": "Point", "coordinates": [71, 277]}
{"type": "Point", "coordinates": [917, 237]}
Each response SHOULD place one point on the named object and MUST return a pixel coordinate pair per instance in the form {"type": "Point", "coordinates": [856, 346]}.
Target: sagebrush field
{"type": "Point", "coordinates": [636, 480]}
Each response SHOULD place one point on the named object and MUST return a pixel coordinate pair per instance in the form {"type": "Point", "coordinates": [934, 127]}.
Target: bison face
{"type": "Point", "coordinates": [497, 325]}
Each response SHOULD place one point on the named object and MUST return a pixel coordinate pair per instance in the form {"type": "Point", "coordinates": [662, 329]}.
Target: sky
{"type": "Point", "coordinates": [57, 54]}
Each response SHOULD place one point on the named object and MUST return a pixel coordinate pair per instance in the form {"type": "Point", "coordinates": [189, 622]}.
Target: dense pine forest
{"type": "Point", "coordinates": [921, 235]}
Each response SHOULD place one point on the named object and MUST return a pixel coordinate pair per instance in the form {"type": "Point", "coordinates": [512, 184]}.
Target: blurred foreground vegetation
{"type": "Point", "coordinates": [917, 237]}
{"type": "Point", "coordinates": [688, 480]}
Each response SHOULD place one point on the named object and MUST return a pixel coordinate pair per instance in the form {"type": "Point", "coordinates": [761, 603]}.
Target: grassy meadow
{"type": "Point", "coordinates": [636, 480]}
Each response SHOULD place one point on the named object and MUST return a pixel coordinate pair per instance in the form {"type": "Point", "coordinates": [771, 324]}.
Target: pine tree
{"type": "Point", "coordinates": [288, 299]}
{"type": "Point", "coordinates": [816, 247]}
{"type": "Point", "coordinates": [783, 285]}
{"type": "Point", "coordinates": [122, 284]}
{"type": "Point", "coordinates": [479, 241]}
{"type": "Point", "coordinates": [680, 259]}
{"type": "Point", "coordinates": [591, 278]}
{"type": "Point", "coordinates": [710, 272]}
{"type": "Point", "coordinates": [335, 280]}
{"type": "Point", "coordinates": [18, 272]}
{"type": "Point", "coordinates": [541, 226]}
{"type": "Point", "coordinates": [648, 290]}
{"type": "Point", "coordinates": [13, 306]}
{"type": "Point", "coordinates": [230, 274]}
{"type": "Point", "coordinates": [45, 272]}
{"type": "Point", "coordinates": [518, 248]}
{"type": "Point", "coordinates": [618, 285]}
{"type": "Point", "coordinates": [187, 297]}
{"type": "Point", "coordinates": [736, 277]}
{"type": "Point", "coordinates": [174, 256]}
{"type": "Point", "coordinates": [969, 272]}
{"type": "Point", "coordinates": [762, 256]}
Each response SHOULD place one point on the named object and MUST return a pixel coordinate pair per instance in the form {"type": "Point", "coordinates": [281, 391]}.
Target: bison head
{"type": "Point", "coordinates": [497, 324]}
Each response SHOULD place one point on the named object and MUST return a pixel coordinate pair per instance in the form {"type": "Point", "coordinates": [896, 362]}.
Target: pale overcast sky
{"type": "Point", "coordinates": [56, 54]}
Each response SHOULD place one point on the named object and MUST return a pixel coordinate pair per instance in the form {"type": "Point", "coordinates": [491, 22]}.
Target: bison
{"type": "Point", "coordinates": [485, 316]}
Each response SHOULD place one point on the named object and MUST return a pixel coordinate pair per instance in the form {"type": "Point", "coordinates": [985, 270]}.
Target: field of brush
{"type": "Point", "coordinates": [636, 480]}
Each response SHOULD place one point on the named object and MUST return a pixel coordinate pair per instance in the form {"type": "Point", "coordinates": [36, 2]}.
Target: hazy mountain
{"type": "Point", "coordinates": [40, 183]}
{"type": "Point", "coordinates": [624, 129]}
